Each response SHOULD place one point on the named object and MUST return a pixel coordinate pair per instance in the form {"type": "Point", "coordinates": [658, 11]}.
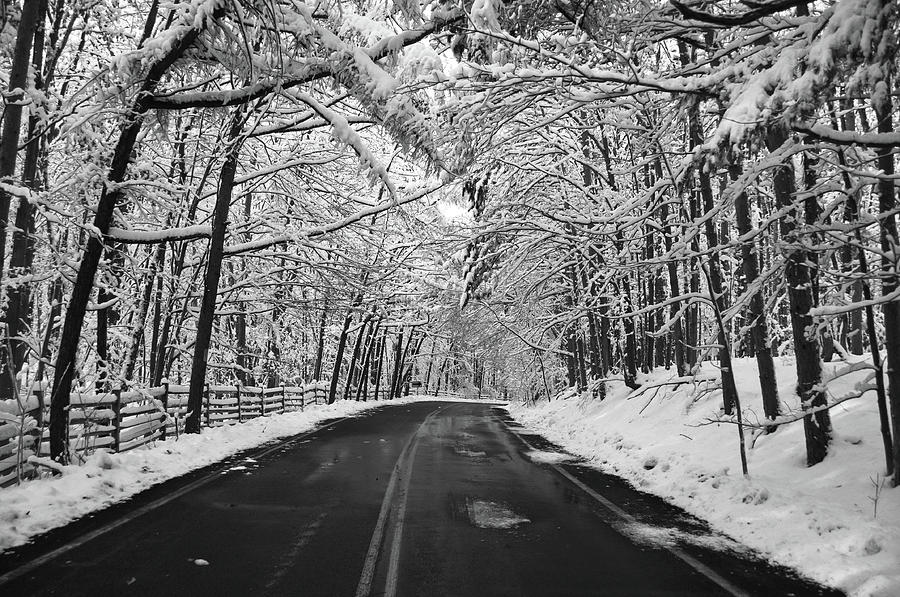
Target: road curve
{"type": "Point", "coordinates": [424, 499]}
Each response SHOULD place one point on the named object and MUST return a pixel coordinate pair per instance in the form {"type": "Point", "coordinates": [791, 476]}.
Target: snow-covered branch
{"type": "Point", "coordinates": [148, 237]}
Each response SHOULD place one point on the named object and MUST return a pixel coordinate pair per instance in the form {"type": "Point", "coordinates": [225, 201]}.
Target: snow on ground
{"type": "Point", "coordinates": [819, 520]}
{"type": "Point", "coordinates": [37, 506]}
{"type": "Point", "coordinates": [548, 457]}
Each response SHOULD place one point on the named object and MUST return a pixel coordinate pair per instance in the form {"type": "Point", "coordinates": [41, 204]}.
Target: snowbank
{"type": "Point", "coordinates": [37, 506]}
{"type": "Point", "coordinates": [819, 520]}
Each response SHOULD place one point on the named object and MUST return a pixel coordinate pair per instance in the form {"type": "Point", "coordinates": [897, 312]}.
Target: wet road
{"type": "Point", "coordinates": [428, 499]}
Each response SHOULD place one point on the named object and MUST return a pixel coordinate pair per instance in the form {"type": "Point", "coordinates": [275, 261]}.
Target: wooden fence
{"type": "Point", "coordinates": [123, 420]}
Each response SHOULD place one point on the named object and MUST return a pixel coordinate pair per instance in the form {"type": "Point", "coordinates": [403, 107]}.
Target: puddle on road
{"type": "Point", "coordinates": [491, 515]}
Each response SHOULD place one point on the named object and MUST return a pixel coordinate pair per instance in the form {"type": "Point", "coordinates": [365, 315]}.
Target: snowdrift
{"type": "Point", "coordinates": [820, 520]}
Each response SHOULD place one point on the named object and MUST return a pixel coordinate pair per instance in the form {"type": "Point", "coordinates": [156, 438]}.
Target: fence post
{"type": "Point", "coordinates": [283, 401]}
{"type": "Point", "coordinates": [117, 418]}
{"type": "Point", "coordinates": [38, 431]}
{"type": "Point", "coordinates": [165, 402]}
{"type": "Point", "coordinates": [302, 397]}
{"type": "Point", "coordinates": [206, 401]}
{"type": "Point", "coordinates": [237, 390]}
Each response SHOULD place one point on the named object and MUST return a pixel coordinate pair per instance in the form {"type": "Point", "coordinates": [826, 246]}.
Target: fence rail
{"type": "Point", "coordinates": [124, 420]}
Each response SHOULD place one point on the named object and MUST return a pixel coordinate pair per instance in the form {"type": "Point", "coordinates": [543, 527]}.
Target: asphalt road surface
{"type": "Point", "coordinates": [428, 499]}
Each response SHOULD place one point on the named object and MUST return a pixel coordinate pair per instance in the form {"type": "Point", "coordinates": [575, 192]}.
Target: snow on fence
{"type": "Point", "coordinates": [124, 420]}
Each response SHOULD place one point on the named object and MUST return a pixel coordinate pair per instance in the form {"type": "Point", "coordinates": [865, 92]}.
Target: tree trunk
{"type": "Point", "coordinates": [674, 290]}
{"type": "Point", "coordinates": [692, 320]}
{"type": "Point", "coordinates": [110, 196]}
{"type": "Point", "coordinates": [320, 351]}
{"type": "Point", "coordinates": [571, 374]}
{"type": "Point", "coordinates": [758, 327]}
{"type": "Point", "coordinates": [18, 314]}
{"type": "Point", "coordinates": [339, 355]}
{"type": "Point", "coordinates": [12, 112]}
{"type": "Point", "coordinates": [371, 346]}
{"type": "Point", "coordinates": [155, 350]}
{"type": "Point", "coordinates": [890, 273]}
{"type": "Point", "coordinates": [817, 425]}
{"type": "Point", "coordinates": [399, 351]}
{"type": "Point", "coordinates": [629, 358]}
{"type": "Point", "coordinates": [213, 273]}
{"type": "Point", "coordinates": [354, 358]}
{"type": "Point", "coordinates": [378, 371]}
{"type": "Point", "coordinates": [714, 267]}
{"type": "Point", "coordinates": [862, 291]}
{"type": "Point", "coordinates": [852, 333]}
{"type": "Point", "coordinates": [407, 377]}
{"type": "Point", "coordinates": [140, 318]}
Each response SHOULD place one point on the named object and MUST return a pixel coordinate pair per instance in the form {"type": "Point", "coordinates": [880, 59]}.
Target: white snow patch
{"type": "Point", "coordinates": [548, 457]}
{"type": "Point", "coordinates": [656, 536]}
{"type": "Point", "coordinates": [491, 515]}
{"type": "Point", "coordinates": [819, 520]}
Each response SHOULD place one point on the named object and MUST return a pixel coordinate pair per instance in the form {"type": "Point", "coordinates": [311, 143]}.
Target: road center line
{"type": "Point", "coordinates": [688, 559]}
{"type": "Point", "coordinates": [394, 560]}
{"type": "Point", "coordinates": [149, 507]}
{"type": "Point", "coordinates": [288, 558]}
{"type": "Point", "coordinates": [402, 468]}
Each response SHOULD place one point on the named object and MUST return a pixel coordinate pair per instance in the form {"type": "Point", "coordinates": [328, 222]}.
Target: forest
{"type": "Point", "coordinates": [511, 199]}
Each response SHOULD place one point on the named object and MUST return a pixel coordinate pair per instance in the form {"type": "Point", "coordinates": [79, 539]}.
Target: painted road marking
{"type": "Point", "coordinates": [402, 470]}
{"type": "Point", "coordinates": [394, 560]}
{"type": "Point", "coordinates": [41, 560]}
{"type": "Point", "coordinates": [674, 550]}
{"type": "Point", "coordinates": [290, 556]}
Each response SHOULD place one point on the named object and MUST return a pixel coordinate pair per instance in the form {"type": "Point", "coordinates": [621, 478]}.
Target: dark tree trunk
{"type": "Point", "coordinates": [240, 324]}
{"type": "Point", "coordinates": [579, 360]}
{"type": "Point", "coordinates": [714, 267]}
{"type": "Point", "coordinates": [382, 344]}
{"type": "Point", "coordinates": [155, 349]}
{"type": "Point", "coordinates": [674, 291]}
{"type": "Point", "coordinates": [399, 351]}
{"type": "Point", "coordinates": [890, 275]}
{"type": "Point", "coordinates": [758, 326]}
{"type": "Point", "coordinates": [240, 332]}
{"type": "Point", "coordinates": [213, 272]}
{"type": "Point", "coordinates": [339, 355]}
{"type": "Point", "coordinates": [371, 345]}
{"type": "Point", "coordinates": [110, 196]}
{"type": "Point", "coordinates": [12, 111]}
{"type": "Point", "coordinates": [410, 369]}
{"type": "Point", "coordinates": [56, 295]}
{"type": "Point", "coordinates": [629, 358]}
{"type": "Point", "coordinates": [320, 351]}
{"type": "Point", "coordinates": [817, 425]}
{"type": "Point", "coordinates": [18, 314]}
{"type": "Point", "coordinates": [851, 215]}
{"type": "Point", "coordinates": [571, 374]}
{"type": "Point", "coordinates": [140, 318]}
{"type": "Point", "coordinates": [692, 314]}
{"type": "Point", "coordinates": [852, 332]}
{"type": "Point", "coordinates": [354, 359]}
